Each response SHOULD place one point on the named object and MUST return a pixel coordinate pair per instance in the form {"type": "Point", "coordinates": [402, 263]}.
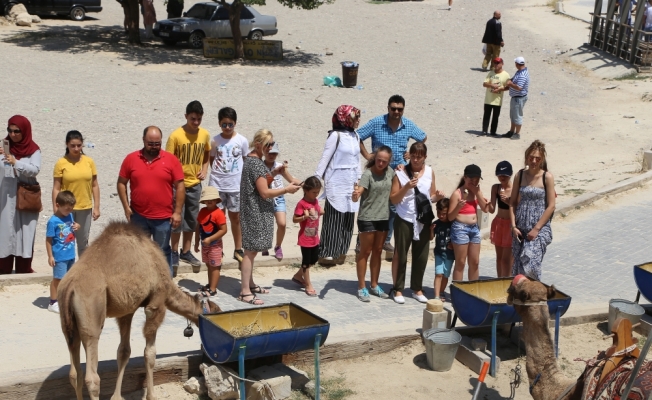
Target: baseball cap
{"type": "Point", "coordinates": [209, 193]}
{"type": "Point", "coordinates": [519, 60]}
{"type": "Point", "coordinates": [504, 168]}
{"type": "Point", "coordinates": [275, 149]}
{"type": "Point", "coordinates": [473, 171]}
{"type": "Point", "coordinates": [497, 60]}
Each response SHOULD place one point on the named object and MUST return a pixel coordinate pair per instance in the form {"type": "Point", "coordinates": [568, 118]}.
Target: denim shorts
{"type": "Point", "coordinates": [61, 267]}
{"type": "Point", "coordinates": [443, 265]}
{"type": "Point", "coordinates": [279, 204]}
{"type": "Point", "coordinates": [465, 233]}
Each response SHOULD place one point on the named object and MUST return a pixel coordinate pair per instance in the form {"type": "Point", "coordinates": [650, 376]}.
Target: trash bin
{"type": "Point", "coordinates": [349, 73]}
{"type": "Point", "coordinates": [620, 308]}
{"type": "Point", "coordinates": [441, 347]}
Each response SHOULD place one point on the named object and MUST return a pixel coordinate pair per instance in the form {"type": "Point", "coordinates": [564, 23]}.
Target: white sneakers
{"type": "Point", "coordinates": [54, 307]}
{"type": "Point", "coordinates": [398, 299]}
{"type": "Point", "coordinates": [420, 298]}
{"type": "Point", "coordinates": [401, 300]}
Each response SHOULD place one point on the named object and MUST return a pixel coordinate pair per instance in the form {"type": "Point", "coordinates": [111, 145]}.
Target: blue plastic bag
{"type": "Point", "coordinates": [332, 81]}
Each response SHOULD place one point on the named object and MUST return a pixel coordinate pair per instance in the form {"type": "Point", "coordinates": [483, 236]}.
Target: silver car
{"type": "Point", "coordinates": [212, 20]}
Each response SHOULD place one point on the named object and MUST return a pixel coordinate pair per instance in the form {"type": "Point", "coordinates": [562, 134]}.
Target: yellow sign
{"type": "Point", "coordinates": [253, 49]}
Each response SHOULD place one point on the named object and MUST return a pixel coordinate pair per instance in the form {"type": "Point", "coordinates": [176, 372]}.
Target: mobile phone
{"type": "Point", "coordinates": [5, 146]}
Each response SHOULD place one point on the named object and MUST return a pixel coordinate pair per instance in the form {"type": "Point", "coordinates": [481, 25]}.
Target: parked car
{"type": "Point", "coordinates": [76, 9]}
{"type": "Point", "coordinates": [212, 20]}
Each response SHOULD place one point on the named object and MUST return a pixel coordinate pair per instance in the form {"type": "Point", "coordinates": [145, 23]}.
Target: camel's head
{"type": "Point", "coordinates": [207, 306]}
{"type": "Point", "coordinates": [528, 292]}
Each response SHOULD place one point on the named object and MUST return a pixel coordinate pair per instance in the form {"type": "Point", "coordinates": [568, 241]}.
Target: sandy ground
{"type": "Point", "coordinates": [83, 76]}
{"type": "Point", "coordinates": [366, 377]}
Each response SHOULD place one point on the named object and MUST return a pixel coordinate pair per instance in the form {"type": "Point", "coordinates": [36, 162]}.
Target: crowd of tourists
{"type": "Point", "coordinates": [394, 194]}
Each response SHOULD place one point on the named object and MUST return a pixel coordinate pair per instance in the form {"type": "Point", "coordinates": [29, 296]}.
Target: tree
{"type": "Point", "coordinates": [236, 7]}
{"type": "Point", "coordinates": [131, 9]}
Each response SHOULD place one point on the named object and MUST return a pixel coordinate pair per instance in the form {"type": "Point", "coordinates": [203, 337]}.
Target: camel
{"type": "Point", "coordinates": [121, 271]}
{"type": "Point", "coordinates": [546, 381]}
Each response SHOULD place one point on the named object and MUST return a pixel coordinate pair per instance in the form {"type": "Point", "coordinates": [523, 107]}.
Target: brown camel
{"type": "Point", "coordinates": [120, 271]}
{"type": "Point", "coordinates": [546, 381]}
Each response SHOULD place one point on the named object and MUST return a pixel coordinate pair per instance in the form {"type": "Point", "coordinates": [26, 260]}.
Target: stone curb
{"type": "Point", "coordinates": [589, 198]}
{"type": "Point", "coordinates": [563, 209]}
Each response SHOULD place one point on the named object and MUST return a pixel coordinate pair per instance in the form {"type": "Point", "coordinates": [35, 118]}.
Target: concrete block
{"type": "Point", "coordinates": [277, 382]}
{"type": "Point", "coordinates": [299, 378]}
{"type": "Point", "coordinates": [479, 344]}
{"type": "Point", "coordinates": [441, 319]}
{"type": "Point", "coordinates": [645, 326]}
{"type": "Point", "coordinates": [647, 159]}
{"type": "Point", "coordinates": [472, 358]}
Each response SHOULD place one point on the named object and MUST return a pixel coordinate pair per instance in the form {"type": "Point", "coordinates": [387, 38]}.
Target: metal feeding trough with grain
{"type": "Point", "coordinates": [484, 302]}
{"type": "Point", "coordinates": [643, 279]}
{"type": "Point", "coordinates": [260, 332]}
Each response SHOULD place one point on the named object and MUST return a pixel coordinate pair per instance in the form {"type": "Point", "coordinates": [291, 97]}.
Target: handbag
{"type": "Point", "coordinates": [28, 197]}
{"type": "Point", "coordinates": [422, 204]}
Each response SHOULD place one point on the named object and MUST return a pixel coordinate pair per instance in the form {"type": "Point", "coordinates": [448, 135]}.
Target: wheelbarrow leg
{"type": "Point", "coordinates": [638, 296]}
{"type": "Point", "coordinates": [241, 371]}
{"type": "Point", "coordinates": [317, 379]}
{"type": "Point", "coordinates": [557, 316]}
{"type": "Point", "coordinates": [494, 323]}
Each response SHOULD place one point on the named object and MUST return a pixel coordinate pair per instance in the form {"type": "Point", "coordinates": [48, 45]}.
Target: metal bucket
{"type": "Point", "coordinates": [619, 308]}
{"type": "Point", "coordinates": [441, 347]}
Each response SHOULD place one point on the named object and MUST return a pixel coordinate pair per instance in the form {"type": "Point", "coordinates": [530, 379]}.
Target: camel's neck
{"type": "Point", "coordinates": [181, 303]}
{"type": "Point", "coordinates": [541, 359]}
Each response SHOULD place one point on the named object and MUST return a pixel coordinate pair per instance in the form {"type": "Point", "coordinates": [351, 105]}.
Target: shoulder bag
{"type": "Point", "coordinates": [28, 197]}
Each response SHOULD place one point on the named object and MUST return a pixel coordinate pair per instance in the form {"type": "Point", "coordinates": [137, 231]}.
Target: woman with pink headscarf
{"type": "Point", "coordinates": [17, 228]}
{"type": "Point", "coordinates": [339, 167]}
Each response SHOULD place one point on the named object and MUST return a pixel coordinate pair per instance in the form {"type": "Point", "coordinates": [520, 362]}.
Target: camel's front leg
{"type": "Point", "coordinates": [154, 318]}
{"type": "Point", "coordinates": [124, 352]}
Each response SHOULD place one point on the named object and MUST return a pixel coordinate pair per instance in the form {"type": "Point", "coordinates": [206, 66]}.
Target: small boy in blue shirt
{"type": "Point", "coordinates": [444, 254]}
{"type": "Point", "coordinates": [60, 242]}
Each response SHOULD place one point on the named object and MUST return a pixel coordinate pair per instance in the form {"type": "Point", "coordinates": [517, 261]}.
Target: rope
{"type": "Point", "coordinates": [266, 388]}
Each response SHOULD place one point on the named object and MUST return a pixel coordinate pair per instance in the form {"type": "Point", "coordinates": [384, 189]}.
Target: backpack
{"type": "Point", "coordinates": [545, 189]}
{"type": "Point", "coordinates": [422, 203]}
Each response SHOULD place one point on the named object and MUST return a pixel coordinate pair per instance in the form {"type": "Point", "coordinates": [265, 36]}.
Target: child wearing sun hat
{"type": "Point", "coordinates": [211, 227]}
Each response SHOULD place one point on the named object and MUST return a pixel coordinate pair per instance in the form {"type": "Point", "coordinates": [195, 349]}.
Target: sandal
{"type": "Point", "coordinates": [255, 301]}
{"type": "Point", "coordinates": [298, 282]}
{"type": "Point", "coordinates": [207, 292]}
{"type": "Point", "coordinates": [311, 293]}
{"type": "Point", "coordinates": [259, 290]}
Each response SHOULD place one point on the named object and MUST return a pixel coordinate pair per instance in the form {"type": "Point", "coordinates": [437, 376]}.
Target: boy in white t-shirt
{"type": "Point", "coordinates": [226, 158]}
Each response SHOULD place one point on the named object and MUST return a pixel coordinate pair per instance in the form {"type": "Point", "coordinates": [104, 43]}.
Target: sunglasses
{"type": "Point", "coordinates": [400, 109]}
{"type": "Point", "coordinates": [270, 144]}
{"type": "Point", "coordinates": [15, 131]}
{"type": "Point", "coordinates": [154, 144]}
{"type": "Point", "coordinates": [229, 125]}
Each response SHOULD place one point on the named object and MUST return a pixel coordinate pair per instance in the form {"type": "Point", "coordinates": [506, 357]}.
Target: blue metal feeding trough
{"type": "Point", "coordinates": [643, 279]}
{"type": "Point", "coordinates": [484, 302]}
{"type": "Point", "coordinates": [260, 332]}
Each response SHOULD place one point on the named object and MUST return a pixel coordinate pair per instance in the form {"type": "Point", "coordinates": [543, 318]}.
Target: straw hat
{"type": "Point", "coordinates": [209, 193]}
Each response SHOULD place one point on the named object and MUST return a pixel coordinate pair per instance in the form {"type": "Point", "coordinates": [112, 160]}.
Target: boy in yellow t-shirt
{"type": "Point", "coordinates": [191, 145]}
{"type": "Point", "coordinates": [495, 82]}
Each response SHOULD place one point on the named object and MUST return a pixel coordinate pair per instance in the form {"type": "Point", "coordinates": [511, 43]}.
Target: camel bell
{"type": "Point", "coordinates": [188, 332]}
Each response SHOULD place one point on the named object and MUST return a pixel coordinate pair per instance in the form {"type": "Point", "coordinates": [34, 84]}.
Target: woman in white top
{"type": "Point", "coordinates": [340, 169]}
{"type": "Point", "coordinates": [407, 230]}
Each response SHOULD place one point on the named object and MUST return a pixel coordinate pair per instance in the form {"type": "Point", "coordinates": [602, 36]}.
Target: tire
{"type": "Point", "coordinates": [256, 35]}
{"type": "Point", "coordinates": [8, 8]}
{"type": "Point", "coordinates": [77, 14]}
{"type": "Point", "coordinates": [196, 40]}
{"type": "Point", "coordinates": [169, 42]}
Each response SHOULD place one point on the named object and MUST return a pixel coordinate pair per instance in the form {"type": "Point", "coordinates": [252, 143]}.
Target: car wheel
{"type": "Point", "coordinates": [8, 8]}
{"type": "Point", "coordinates": [256, 35]}
{"type": "Point", "coordinates": [77, 14]}
{"type": "Point", "coordinates": [169, 42]}
{"type": "Point", "coordinates": [196, 40]}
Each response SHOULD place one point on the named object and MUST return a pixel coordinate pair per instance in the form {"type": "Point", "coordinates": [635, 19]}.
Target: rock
{"type": "Point", "coordinates": [16, 10]}
{"type": "Point", "coordinates": [609, 87]}
{"type": "Point", "coordinates": [628, 116]}
{"type": "Point", "coordinates": [311, 386]}
{"type": "Point", "coordinates": [329, 53]}
{"type": "Point", "coordinates": [298, 47]}
{"type": "Point", "coordinates": [195, 386]}
{"type": "Point", "coordinates": [36, 19]}
{"type": "Point", "coordinates": [299, 378]}
{"type": "Point", "coordinates": [269, 378]}
{"type": "Point", "coordinates": [220, 385]}
{"type": "Point", "coordinates": [24, 20]}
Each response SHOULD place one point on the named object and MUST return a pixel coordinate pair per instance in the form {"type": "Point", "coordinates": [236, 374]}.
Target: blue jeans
{"type": "Point", "coordinates": [159, 230]}
{"type": "Point", "coordinates": [392, 215]}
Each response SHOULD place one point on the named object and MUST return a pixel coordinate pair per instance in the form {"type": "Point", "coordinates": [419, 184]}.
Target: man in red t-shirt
{"type": "Point", "coordinates": [151, 174]}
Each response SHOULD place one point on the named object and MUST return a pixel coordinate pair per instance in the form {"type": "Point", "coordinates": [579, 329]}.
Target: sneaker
{"type": "Point", "coordinates": [238, 255]}
{"type": "Point", "coordinates": [278, 253]}
{"type": "Point", "coordinates": [189, 258]}
{"type": "Point", "coordinates": [378, 291]}
{"type": "Point", "coordinates": [516, 136]}
{"type": "Point", "coordinates": [363, 295]}
{"type": "Point", "coordinates": [449, 8]}
{"type": "Point", "coordinates": [326, 261]}
{"type": "Point", "coordinates": [54, 307]}
{"type": "Point", "coordinates": [397, 299]}
{"type": "Point", "coordinates": [341, 259]}
{"type": "Point", "coordinates": [420, 298]}
{"type": "Point", "coordinates": [508, 134]}
{"type": "Point", "coordinates": [265, 253]}
{"type": "Point", "coordinates": [388, 247]}
{"type": "Point", "coordinates": [493, 134]}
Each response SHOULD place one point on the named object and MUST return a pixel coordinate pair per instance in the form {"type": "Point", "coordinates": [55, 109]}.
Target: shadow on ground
{"type": "Point", "coordinates": [42, 302]}
{"type": "Point", "coordinates": [76, 39]}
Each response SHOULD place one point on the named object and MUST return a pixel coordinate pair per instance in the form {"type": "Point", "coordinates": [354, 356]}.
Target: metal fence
{"type": "Point", "coordinates": [620, 32]}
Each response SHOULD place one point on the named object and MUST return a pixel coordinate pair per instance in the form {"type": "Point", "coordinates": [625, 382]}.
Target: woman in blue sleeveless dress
{"type": "Point", "coordinates": [531, 211]}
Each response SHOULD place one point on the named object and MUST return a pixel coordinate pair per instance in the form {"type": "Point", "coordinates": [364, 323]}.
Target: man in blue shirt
{"type": "Point", "coordinates": [392, 130]}
{"type": "Point", "coordinates": [518, 89]}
